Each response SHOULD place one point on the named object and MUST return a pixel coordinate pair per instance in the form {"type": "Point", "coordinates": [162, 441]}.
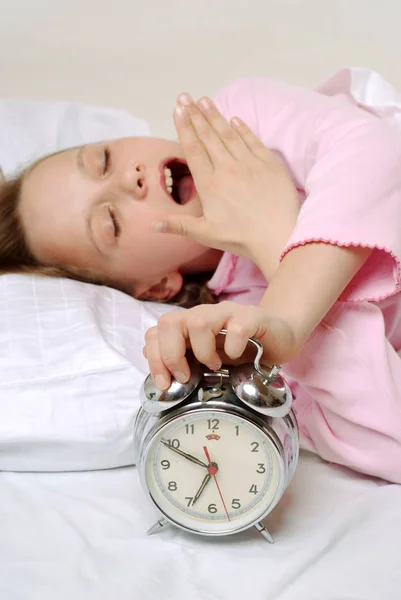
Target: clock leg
{"type": "Point", "coordinates": [262, 530]}
{"type": "Point", "coordinates": [158, 526]}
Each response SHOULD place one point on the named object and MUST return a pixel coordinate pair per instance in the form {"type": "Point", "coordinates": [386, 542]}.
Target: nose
{"type": "Point", "coordinates": [133, 180]}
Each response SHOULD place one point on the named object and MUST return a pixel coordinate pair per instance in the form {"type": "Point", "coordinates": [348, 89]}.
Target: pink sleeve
{"type": "Point", "coordinates": [346, 160]}
{"type": "Point", "coordinates": [349, 397]}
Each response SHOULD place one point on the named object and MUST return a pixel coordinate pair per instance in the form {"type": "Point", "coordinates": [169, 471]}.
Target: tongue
{"type": "Point", "coordinates": [185, 188]}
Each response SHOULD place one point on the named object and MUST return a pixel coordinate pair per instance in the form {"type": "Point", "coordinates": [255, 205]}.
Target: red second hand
{"type": "Point", "coordinates": [212, 471]}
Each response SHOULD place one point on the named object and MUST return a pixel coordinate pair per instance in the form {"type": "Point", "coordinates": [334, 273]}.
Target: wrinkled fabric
{"type": "Point", "coordinates": [346, 164]}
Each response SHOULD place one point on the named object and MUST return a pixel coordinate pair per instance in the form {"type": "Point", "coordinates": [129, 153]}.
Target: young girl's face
{"type": "Point", "coordinates": [91, 207]}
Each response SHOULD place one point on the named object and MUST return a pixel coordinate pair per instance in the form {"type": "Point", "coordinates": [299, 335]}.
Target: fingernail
{"type": "Point", "coordinates": [205, 103]}
{"type": "Point", "coordinates": [160, 382]}
{"type": "Point", "coordinates": [180, 110]}
{"type": "Point", "coordinates": [236, 122]}
{"type": "Point", "coordinates": [181, 376]}
{"type": "Point", "coordinates": [159, 226]}
{"type": "Point", "coordinates": [214, 366]}
{"type": "Point", "coordinates": [185, 99]}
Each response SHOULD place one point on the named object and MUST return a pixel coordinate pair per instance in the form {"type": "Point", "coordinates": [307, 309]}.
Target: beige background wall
{"type": "Point", "coordinates": [140, 54]}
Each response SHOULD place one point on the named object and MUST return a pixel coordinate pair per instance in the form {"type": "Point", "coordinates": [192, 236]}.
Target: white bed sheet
{"type": "Point", "coordinates": [81, 536]}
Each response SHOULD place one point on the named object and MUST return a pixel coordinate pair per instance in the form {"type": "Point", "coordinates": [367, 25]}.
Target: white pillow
{"type": "Point", "coordinates": [71, 367]}
{"type": "Point", "coordinates": [71, 361]}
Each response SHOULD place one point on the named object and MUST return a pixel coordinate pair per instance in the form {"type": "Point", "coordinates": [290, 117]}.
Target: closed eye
{"type": "Point", "coordinates": [106, 164]}
{"type": "Point", "coordinates": [116, 224]}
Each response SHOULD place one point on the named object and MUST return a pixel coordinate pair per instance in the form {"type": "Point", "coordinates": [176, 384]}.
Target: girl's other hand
{"type": "Point", "coordinates": [250, 203]}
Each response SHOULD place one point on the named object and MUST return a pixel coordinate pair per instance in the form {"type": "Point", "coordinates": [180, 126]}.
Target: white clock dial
{"type": "Point", "coordinates": [212, 471]}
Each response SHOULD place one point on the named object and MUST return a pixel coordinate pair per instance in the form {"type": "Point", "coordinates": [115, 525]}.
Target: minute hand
{"type": "Point", "coordinates": [185, 455]}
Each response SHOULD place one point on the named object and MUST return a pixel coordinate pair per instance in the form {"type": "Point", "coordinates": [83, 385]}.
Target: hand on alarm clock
{"type": "Point", "coordinates": [198, 328]}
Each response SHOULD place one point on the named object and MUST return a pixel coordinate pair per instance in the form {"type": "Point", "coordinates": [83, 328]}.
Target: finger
{"type": "Point", "coordinates": [250, 139]}
{"type": "Point", "coordinates": [205, 132]}
{"type": "Point", "coordinates": [172, 343]}
{"type": "Point", "coordinates": [237, 337]}
{"type": "Point", "coordinates": [192, 227]}
{"type": "Point", "coordinates": [203, 341]}
{"type": "Point", "coordinates": [236, 342]}
{"type": "Point", "coordinates": [227, 134]}
{"type": "Point", "coordinates": [160, 374]}
{"type": "Point", "coordinates": [194, 151]}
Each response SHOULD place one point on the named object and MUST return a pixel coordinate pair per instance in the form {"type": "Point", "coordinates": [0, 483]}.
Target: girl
{"type": "Point", "coordinates": [311, 235]}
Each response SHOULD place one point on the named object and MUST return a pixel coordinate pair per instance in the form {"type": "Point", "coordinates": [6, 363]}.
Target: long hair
{"type": "Point", "coordinates": [16, 256]}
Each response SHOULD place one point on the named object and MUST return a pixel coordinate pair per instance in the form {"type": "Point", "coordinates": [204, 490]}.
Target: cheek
{"type": "Point", "coordinates": [157, 251]}
{"type": "Point", "coordinates": [148, 253]}
{"type": "Point", "coordinates": [139, 236]}
{"type": "Point", "coordinates": [157, 246]}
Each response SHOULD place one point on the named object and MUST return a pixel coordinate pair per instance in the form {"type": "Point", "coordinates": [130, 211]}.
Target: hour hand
{"type": "Point", "coordinates": [185, 455]}
{"type": "Point", "coordinates": [204, 483]}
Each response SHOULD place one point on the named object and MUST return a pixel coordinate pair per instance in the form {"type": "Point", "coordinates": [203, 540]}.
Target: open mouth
{"type": "Point", "coordinates": [177, 180]}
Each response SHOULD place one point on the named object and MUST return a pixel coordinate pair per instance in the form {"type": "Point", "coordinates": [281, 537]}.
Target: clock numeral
{"type": "Point", "coordinates": [235, 503]}
{"type": "Point", "coordinates": [190, 429]}
{"type": "Point", "coordinates": [213, 423]}
{"type": "Point", "coordinates": [212, 508]}
{"type": "Point", "coordinates": [190, 500]}
{"type": "Point", "coordinates": [165, 464]}
{"type": "Point", "coordinates": [172, 486]}
{"type": "Point", "coordinates": [237, 430]}
{"type": "Point", "coordinates": [261, 468]}
{"type": "Point", "coordinates": [255, 446]}
{"type": "Point", "coordinates": [174, 443]}
{"type": "Point", "coordinates": [253, 489]}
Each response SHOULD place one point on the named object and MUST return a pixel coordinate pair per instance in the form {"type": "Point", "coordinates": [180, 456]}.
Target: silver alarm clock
{"type": "Point", "coordinates": [216, 454]}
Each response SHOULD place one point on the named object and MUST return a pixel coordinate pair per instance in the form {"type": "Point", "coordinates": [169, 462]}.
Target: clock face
{"type": "Point", "coordinates": [212, 472]}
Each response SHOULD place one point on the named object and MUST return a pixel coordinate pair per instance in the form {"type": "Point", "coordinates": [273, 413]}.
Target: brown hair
{"type": "Point", "coordinates": [16, 257]}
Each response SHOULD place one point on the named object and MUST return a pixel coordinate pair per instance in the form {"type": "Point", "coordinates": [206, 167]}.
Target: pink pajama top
{"type": "Point", "coordinates": [346, 162]}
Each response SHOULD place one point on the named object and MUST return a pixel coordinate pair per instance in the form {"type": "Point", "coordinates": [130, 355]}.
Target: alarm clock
{"type": "Point", "coordinates": [216, 453]}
